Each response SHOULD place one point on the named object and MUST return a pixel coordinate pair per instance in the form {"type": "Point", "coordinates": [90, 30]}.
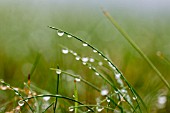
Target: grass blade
{"type": "Point", "coordinates": [133, 44]}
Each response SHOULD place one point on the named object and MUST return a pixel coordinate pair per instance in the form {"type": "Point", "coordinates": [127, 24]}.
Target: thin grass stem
{"type": "Point", "coordinates": [134, 45]}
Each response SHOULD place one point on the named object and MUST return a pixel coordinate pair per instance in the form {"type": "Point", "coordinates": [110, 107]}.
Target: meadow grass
{"type": "Point", "coordinates": [94, 81]}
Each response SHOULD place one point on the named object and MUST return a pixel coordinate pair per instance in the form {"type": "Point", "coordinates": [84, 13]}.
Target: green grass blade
{"type": "Point", "coordinates": [75, 97]}
{"type": "Point", "coordinates": [58, 77]}
{"type": "Point", "coordinates": [133, 44]}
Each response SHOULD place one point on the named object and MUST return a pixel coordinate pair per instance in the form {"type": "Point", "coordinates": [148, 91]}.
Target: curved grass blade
{"type": "Point", "coordinates": [58, 96]}
{"type": "Point", "coordinates": [134, 45]}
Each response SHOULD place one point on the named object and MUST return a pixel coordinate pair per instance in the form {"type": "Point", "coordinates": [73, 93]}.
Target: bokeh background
{"type": "Point", "coordinates": [24, 33]}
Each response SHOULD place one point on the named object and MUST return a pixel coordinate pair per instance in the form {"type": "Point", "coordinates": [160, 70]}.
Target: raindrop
{"type": "Point", "coordinates": [96, 73]}
{"type": "Point", "coordinates": [16, 89]}
{"type": "Point", "coordinates": [74, 53]}
{"type": "Point", "coordinates": [107, 99]}
{"type": "Point", "coordinates": [64, 51]}
{"type": "Point", "coordinates": [105, 59]}
{"type": "Point", "coordinates": [84, 59]}
{"type": "Point", "coordinates": [85, 44]}
{"type": "Point", "coordinates": [71, 51]}
{"type": "Point", "coordinates": [58, 71]}
{"type": "Point", "coordinates": [162, 99]}
{"type": "Point", "coordinates": [117, 75]}
{"type": "Point", "coordinates": [84, 63]}
{"type": "Point", "coordinates": [71, 108]}
{"type": "Point", "coordinates": [123, 91]}
{"type": "Point", "coordinates": [100, 54]}
{"type": "Point", "coordinates": [94, 51]}
{"type": "Point", "coordinates": [3, 87]}
{"type": "Point", "coordinates": [90, 67]}
{"type": "Point", "coordinates": [20, 102]}
{"type": "Point", "coordinates": [104, 92]}
{"type": "Point", "coordinates": [91, 60]}
{"type": "Point", "coordinates": [100, 63]}
{"type": "Point", "coordinates": [46, 98]}
{"type": "Point", "coordinates": [77, 57]}
{"type": "Point", "coordinates": [99, 108]}
{"type": "Point", "coordinates": [60, 33]}
{"type": "Point", "coordinates": [134, 98]}
{"type": "Point", "coordinates": [16, 93]}
{"type": "Point", "coordinates": [69, 36]}
{"type": "Point", "coordinates": [77, 79]}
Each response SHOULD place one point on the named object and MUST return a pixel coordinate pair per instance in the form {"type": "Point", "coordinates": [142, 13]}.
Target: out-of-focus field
{"type": "Point", "coordinates": [24, 33]}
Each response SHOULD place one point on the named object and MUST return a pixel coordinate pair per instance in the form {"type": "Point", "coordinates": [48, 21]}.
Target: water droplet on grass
{"type": "Point", "coordinates": [74, 53]}
{"type": "Point", "coordinates": [91, 60]}
{"type": "Point", "coordinates": [85, 44]}
{"type": "Point", "coordinates": [77, 57]}
{"type": "Point", "coordinates": [134, 98]}
{"type": "Point", "coordinates": [104, 92]}
{"type": "Point", "coordinates": [100, 63]}
{"type": "Point", "coordinates": [99, 108]}
{"type": "Point", "coordinates": [46, 98]}
{"type": "Point", "coordinates": [71, 108]}
{"type": "Point", "coordinates": [58, 71]}
{"type": "Point", "coordinates": [96, 73]}
{"type": "Point", "coordinates": [3, 87]}
{"type": "Point", "coordinates": [108, 100]}
{"type": "Point", "coordinates": [16, 93]}
{"type": "Point", "coordinates": [21, 102]}
{"type": "Point", "coordinates": [85, 59]}
{"type": "Point", "coordinates": [69, 36]}
{"type": "Point", "coordinates": [60, 33]}
{"type": "Point", "coordinates": [64, 51]}
{"type": "Point", "coordinates": [94, 51]}
{"type": "Point", "coordinates": [77, 79]}
{"type": "Point", "coordinates": [117, 75]}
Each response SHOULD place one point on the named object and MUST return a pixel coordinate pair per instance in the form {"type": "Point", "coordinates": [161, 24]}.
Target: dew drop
{"type": "Point", "coordinates": [3, 87]}
{"type": "Point", "coordinates": [71, 108]}
{"type": "Point", "coordinates": [94, 51]}
{"type": "Point", "coordinates": [90, 67]}
{"type": "Point", "coordinates": [96, 73]}
{"type": "Point", "coordinates": [85, 44]}
{"type": "Point", "coordinates": [64, 51]}
{"type": "Point", "coordinates": [100, 63]}
{"type": "Point", "coordinates": [58, 71]}
{"type": "Point", "coordinates": [16, 89]}
{"type": "Point", "coordinates": [84, 63]}
{"type": "Point", "coordinates": [105, 59]}
{"type": "Point", "coordinates": [46, 98]}
{"type": "Point", "coordinates": [104, 92]}
{"type": "Point", "coordinates": [77, 79]}
{"type": "Point", "coordinates": [100, 54]}
{"type": "Point", "coordinates": [99, 108]}
{"type": "Point", "coordinates": [69, 36]}
{"type": "Point", "coordinates": [20, 102]}
{"type": "Point", "coordinates": [134, 98]}
{"type": "Point", "coordinates": [77, 57]}
{"type": "Point", "coordinates": [16, 93]}
{"type": "Point", "coordinates": [117, 75]}
{"type": "Point", "coordinates": [91, 60]}
{"type": "Point", "coordinates": [84, 59]}
{"type": "Point", "coordinates": [74, 53]}
{"type": "Point", "coordinates": [60, 33]}
{"type": "Point", "coordinates": [108, 100]}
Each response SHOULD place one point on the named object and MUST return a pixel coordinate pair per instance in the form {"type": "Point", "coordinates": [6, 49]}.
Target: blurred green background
{"type": "Point", "coordinates": [24, 33]}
